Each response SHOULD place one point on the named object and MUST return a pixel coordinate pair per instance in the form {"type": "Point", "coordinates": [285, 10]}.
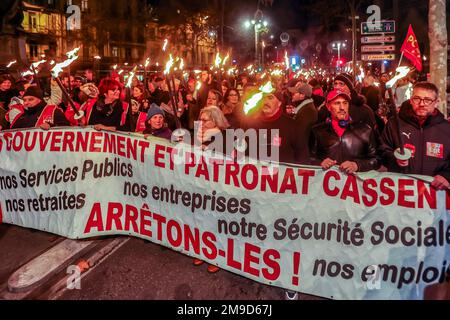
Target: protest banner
{"type": "Point", "coordinates": [371, 236]}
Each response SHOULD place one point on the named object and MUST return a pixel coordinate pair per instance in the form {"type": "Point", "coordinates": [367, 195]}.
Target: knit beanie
{"type": "Point", "coordinates": [153, 110]}
{"type": "Point", "coordinates": [34, 91]}
{"type": "Point", "coordinates": [347, 79]}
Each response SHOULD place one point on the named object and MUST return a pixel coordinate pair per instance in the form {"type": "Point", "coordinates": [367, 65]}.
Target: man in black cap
{"type": "Point", "coordinates": [359, 111]}
{"type": "Point", "coordinates": [36, 112]}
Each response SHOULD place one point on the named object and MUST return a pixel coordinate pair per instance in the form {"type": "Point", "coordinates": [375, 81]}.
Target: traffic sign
{"type": "Point", "coordinates": [378, 39]}
{"type": "Point", "coordinates": [378, 27]}
{"type": "Point", "coordinates": [378, 48]}
{"type": "Point", "coordinates": [377, 57]}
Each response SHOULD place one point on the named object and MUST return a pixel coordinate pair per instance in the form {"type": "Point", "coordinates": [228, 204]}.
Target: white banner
{"type": "Point", "coordinates": [373, 236]}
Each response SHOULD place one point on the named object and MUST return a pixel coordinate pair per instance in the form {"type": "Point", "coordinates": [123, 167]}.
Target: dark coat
{"type": "Point", "coordinates": [430, 141]}
{"type": "Point", "coordinates": [358, 144]}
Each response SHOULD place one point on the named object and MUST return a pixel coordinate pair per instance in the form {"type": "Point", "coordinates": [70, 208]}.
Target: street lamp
{"type": "Point", "coordinates": [259, 25]}
{"type": "Point", "coordinates": [337, 45]}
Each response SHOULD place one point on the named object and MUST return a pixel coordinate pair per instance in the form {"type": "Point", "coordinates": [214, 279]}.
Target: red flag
{"type": "Point", "coordinates": [411, 50]}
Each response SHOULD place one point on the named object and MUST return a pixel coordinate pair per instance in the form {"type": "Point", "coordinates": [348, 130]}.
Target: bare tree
{"type": "Point", "coordinates": [438, 49]}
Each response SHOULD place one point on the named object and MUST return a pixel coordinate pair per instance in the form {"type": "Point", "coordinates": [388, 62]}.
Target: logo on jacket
{"type": "Point", "coordinates": [408, 135]}
{"type": "Point", "coordinates": [435, 150]}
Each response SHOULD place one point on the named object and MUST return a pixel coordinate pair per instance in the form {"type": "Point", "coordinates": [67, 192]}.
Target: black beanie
{"type": "Point", "coordinates": [34, 91]}
{"type": "Point", "coordinates": [347, 79]}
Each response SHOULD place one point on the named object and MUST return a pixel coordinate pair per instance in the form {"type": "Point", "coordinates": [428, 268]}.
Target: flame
{"type": "Point", "coordinates": [52, 62]}
{"type": "Point", "coordinates": [115, 66]}
{"type": "Point", "coordinates": [120, 72]}
{"type": "Point", "coordinates": [225, 59]}
{"type": "Point", "coordinates": [169, 65]}
{"type": "Point", "coordinates": [286, 60]}
{"type": "Point", "coordinates": [401, 72]}
{"type": "Point", "coordinates": [181, 64]}
{"type": "Point", "coordinates": [218, 60]}
{"type": "Point", "coordinates": [27, 73]}
{"type": "Point", "coordinates": [147, 62]}
{"type": "Point", "coordinates": [11, 63]}
{"type": "Point", "coordinates": [254, 100]}
{"type": "Point", "coordinates": [198, 86]}
{"type": "Point", "coordinates": [58, 68]}
{"type": "Point", "coordinates": [249, 67]}
{"type": "Point", "coordinates": [165, 45]}
{"type": "Point", "coordinates": [36, 64]}
{"type": "Point", "coordinates": [72, 53]}
{"type": "Point", "coordinates": [130, 79]}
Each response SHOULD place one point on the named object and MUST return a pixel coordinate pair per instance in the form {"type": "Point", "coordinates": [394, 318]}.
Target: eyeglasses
{"type": "Point", "coordinates": [426, 101]}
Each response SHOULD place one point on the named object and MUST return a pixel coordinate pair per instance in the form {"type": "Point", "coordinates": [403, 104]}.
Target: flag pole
{"type": "Point", "coordinates": [400, 62]}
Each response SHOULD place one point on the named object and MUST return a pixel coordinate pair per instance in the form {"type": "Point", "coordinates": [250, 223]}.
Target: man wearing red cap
{"type": "Point", "coordinates": [339, 141]}
{"type": "Point", "coordinates": [37, 113]}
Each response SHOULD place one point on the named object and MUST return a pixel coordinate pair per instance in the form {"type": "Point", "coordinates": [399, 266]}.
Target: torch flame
{"type": "Point", "coordinates": [130, 79]}
{"type": "Point", "coordinates": [58, 68]}
{"type": "Point", "coordinates": [165, 45]}
{"type": "Point", "coordinates": [218, 60]}
{"type": "Point", "coordinates": [27, 73]}
{"type": "Point", "coordinates": [115, 66]}
{"type": "Point", "coordinates": [225, 59]}
{"type": "Point", "coordinates": [147, 62]}
{"type": "Point", "coordinates": [181, 64]}
{"type": "Point", "coordinates": [72, 53]}
{"type": "Point", "coordinates": [254, 100]}
{"type": "Point", "coordinates": [120, 72]}
{"type": "Point", "coordinates": [286, 60]}
{"type": "Point", "coordinates": [36, 64]}
{"type": "Point", "coordinates": [401, 72]}
{"type": "Point", "coordinates": [169, 65]}
{"type": "Point", "coordinates": [11, 63]}
{"type": "Point", "coordinates": [198, 86]}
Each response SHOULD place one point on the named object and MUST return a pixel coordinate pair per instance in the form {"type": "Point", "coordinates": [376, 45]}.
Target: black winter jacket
{"type": "Point", "coordinates": [358, 144]}
{"type": "Point", "coordinates": [430, 142]}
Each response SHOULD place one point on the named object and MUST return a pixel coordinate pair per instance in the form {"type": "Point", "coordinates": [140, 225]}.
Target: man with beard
{"type": "Point", "coordinates": [37, 113]}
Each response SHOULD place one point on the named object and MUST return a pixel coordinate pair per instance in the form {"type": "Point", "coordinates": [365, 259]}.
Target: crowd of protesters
{"type": "Point", "coordinates": [340, 122]}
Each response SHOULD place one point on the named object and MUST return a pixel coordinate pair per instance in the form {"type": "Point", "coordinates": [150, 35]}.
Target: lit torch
{"type": "Point", "coordinates": [56, 70]}
{"type": "Point", "coordinates": [254, 100]}
{"type": "Point", "coordinates": [11, 63]}
{"type": "Point", "coordinates": [165, 45]}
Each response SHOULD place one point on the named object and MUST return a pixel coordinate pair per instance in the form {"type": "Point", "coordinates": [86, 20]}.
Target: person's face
{"type": "Point", "coordinates": [271, 104]}
{"type": "Point", "coordinates": [290, 109]}
{"type": "Point", "coordinates": [338, 84]}
{"type": "Point", "coordinates": [244, 81]}
{"type": "Point", "coordinates": [78, 83]}
{"type": "Point", "coordinates": [134, 108]}
{"type": "Point", "coordinates": [89, 75]}
{"type": "Point", "coordinates": [113, 94]}
{"type": "Point", "coordinates": [136, 92]}
{"type": "Point", "coordinates": [30, 102]}
{"type": "Point", "coordinates": [6, 85]}
{"type": "Point", "coordinates": [65, 81]}
{"type": "Point", "coordinates": [156, 122]}
{"type": "Point", "coordinates": [212, 99]}
{"type": "Point", "coordinates": [298, 96]}
{"type": "Point", "coordinates": [191, 86]}
{"type": "Point", "coordinates": [151, 87]}
{"type": "Point", "coordinates": [205, 76]}
{"type": "Point", "coordinates": [134, 82]}
{"type": "Point", "coordinates": [233, 97]}
{"type": "Point", "coordinates": [224, 89]}
{"type": "Point", "coordinates": [423, 102]}
{"type": "Point", "coordinates": [339, 108]}
{"type": "Point", "coordinates": [206, 121]}
{"type": "Point", "coordinates": [72, 81]}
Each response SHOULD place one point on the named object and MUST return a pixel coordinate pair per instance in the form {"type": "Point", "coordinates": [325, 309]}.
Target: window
{"type": "Point", "coordinates": [33, 50]}
{"type": "Point", "coordinates": [115, 51]}
{"type": "Point", "coordinates": [84, 5]}
{"type": "Point", "coordinates": [128, 53]}
{"type": "Point", "coordinates": [32, 21]}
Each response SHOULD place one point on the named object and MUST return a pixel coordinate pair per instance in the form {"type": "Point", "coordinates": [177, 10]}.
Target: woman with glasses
{"type": "Point", "coordinates": [108, 112]}
{"type": "Point", "coordinates": [232, 108]}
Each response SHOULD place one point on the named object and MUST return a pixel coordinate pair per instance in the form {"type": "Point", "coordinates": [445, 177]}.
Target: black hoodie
{"type": "Point", "coordinates": [430, 142]}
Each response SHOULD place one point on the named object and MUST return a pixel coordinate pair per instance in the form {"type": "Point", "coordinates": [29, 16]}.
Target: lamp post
{"type": "Point", "coordinates": [259, 25]}
{"type": "Point", "coordinates": [337, 45]}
